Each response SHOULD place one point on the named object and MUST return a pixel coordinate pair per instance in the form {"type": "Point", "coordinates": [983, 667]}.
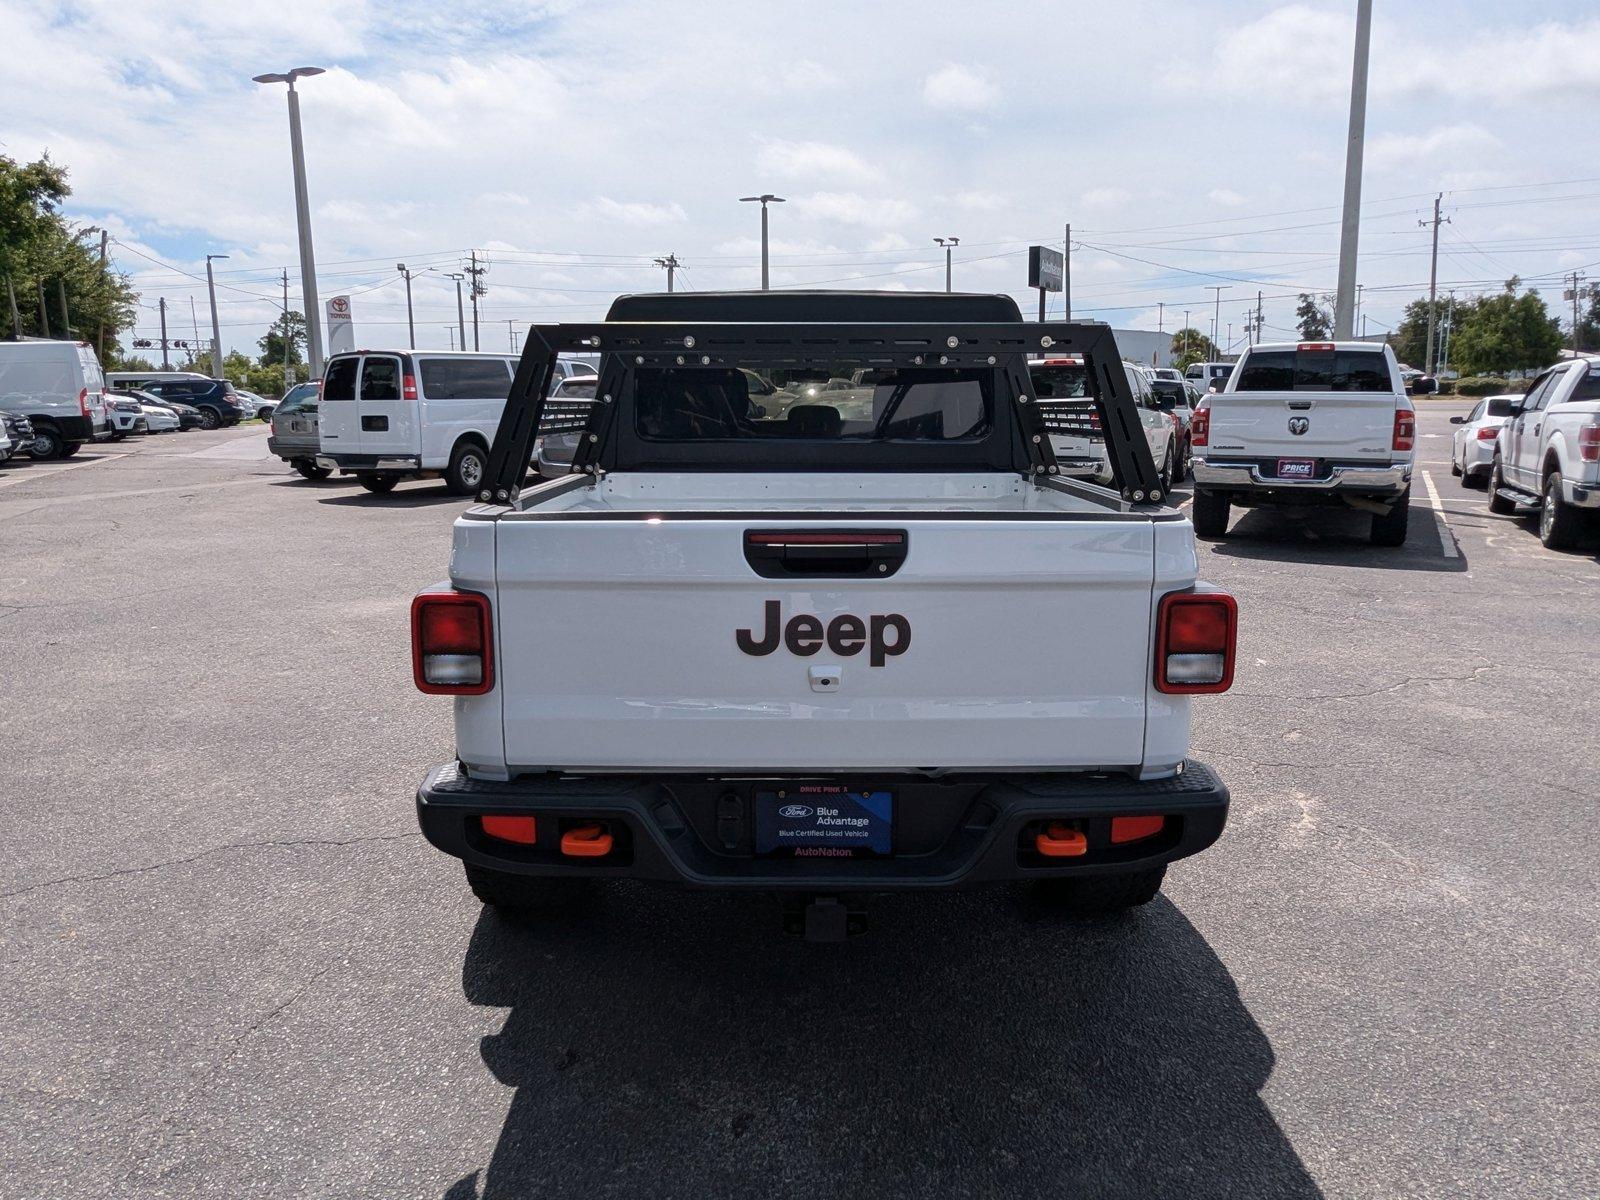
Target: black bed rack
{"type": "Point", "coordinates": [1003, 347]}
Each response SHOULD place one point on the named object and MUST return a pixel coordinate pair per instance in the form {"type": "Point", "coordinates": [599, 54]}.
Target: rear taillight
{"type": "Point", "coordinates": [1200, 426]}
{"type": "Point", "coordinates": [1488, 433]}
{"type": "Point", "coordinates": [1589, 443]}
{"type": "Point", "coordinates": [83, 401]}
{"type": "Point", "coordinates": [1195, 637]}
{"type": "Point", "coordinates": [1405, 429]}
{"type": "Point", "coordinates": [408, 387]}
{"type": "Point", "coordinates": [452, 652]}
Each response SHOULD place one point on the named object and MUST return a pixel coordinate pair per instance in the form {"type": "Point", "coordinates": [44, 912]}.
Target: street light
{"type": "Point", "coordinates": [949, 244]}
{"type": "Point", "coordinates": [461, 313]}
{"type": "Point", "coordinates": [216, 330]}
{"type": "Point", "coordinates": [411, 325]}
{"type": "Point", "coordinates": [764, 200]}
{"type": "Point", "coordinates": [302, 206]}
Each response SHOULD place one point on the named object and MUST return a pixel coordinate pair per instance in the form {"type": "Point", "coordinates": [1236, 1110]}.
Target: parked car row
{"type": "Point", "coordinates": [216, 401]}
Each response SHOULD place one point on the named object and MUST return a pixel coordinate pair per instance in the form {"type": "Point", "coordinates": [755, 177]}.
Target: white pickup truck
{"type": "Point", "coordinates": [1548, 452]}
{"type": "Point", "coordinates": [1308, 423]}
{"type": "Point", "coordinates": [820, 652]}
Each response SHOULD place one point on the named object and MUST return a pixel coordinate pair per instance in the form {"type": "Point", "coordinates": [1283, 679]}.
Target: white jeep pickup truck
{"type": "Point", "coordinates": [1548, 452]}
{"type": "Point", "coordinates": [1309, 423]}
{"type": "Point", "coordinates": [824, 650]}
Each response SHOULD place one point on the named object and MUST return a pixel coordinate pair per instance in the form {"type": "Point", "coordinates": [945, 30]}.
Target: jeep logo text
{"type": "Point", "coordinates": [884, 636]}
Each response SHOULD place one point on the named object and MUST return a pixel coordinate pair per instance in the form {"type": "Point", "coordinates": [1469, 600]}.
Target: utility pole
{"type": "Point", "coordinates": [461, 318]}
{"type": "Point", "coordinates": [670, 262]}
{"type": "Point", "coordinates": [194, 321]}
{"type": "Point", "coordinates": [411, 324]}
{"type": "Point", "coordinates": [100, 338]}
{"type": "Point", "coordinates": [166, 361]}
{"type": "Point", "coordinates": [1186, 331]}
{"type": "Point", "coordinates": [288, 342]}
{"type": "Point", "coordinates": [764, 200]}
{"type": "Point", "coordinates": [1066, 272]}
{"type": "Point", "coordinates": [1433, 282]}
{"type": "Point", "coordinates": [1576, 293]}
{"type": "Point", "coordinates": [216, 330]}
{"type": "Point", "coordinates": [1360, 287]}
{"type": "Point", "coordinates": [478, 289]}
{"type": "Point", "coordinates": [949, 244]}
{"type": "Point", "coordinates": [1230, 335]}
{"type": "Point", "coordinates": [451, 329]}
{"type": "Point", "coordinates": [1350, 231]}
{"type": "Point", "coordinates": [511, 336]}
{"type": "Point", "coordinates": [1161, 309]}
{"type": "Point", "coordinates": [1449, 328]}
{"type": "Point", "coordinates": [1216, 313]}
{"type": "Point", "coordinates": [44, 313]}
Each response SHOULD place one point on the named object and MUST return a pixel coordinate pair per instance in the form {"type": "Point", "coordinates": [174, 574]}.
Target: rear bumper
{"type": "Point", "coordinates": [290, 449]}
{"type": "Point", "coordinates": [352, 464]}
{"type": "Point", "coordinates": [947, 833]}
{"type": "Point", "coordinates": [1242, 477]}
{"type": "Point", "coordinates": [1580, 495]}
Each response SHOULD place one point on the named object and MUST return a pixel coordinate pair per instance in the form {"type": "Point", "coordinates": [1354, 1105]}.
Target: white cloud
{"type": "Point", "coordinates": [637, 212]}
{"type": "Point", "coordinates": [1226, 197]}
{"type": "Point", "coordinates": [816, 161]}
{"type": "Point", "coordinates": [1297, 52]}
{"type": "Point", "coordinates": [1105, 197]}
{"type": "Point", "coordinates": [977, 200]}
{"type": "Point", "coordinates": [1454, 145]}
{"type": "Point", "coordinates": [957, 88]}
{"type": "Point", "coordinates": [850, 208]}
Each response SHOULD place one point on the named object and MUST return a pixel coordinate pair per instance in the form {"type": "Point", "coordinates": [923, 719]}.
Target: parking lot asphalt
{"type": "Point", "coordinates": [232, 967]}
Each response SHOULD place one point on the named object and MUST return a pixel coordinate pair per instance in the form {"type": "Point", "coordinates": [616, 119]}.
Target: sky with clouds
{"type": "Point", "coordinates": [1189, 143]}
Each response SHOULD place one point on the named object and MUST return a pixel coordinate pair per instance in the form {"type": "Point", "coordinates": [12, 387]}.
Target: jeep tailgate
{"type": "Point", "coordinates": [619, 645]}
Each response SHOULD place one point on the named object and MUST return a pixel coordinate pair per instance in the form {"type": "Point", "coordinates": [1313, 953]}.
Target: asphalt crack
{"type": "Point", "coordinates": [287, 844]}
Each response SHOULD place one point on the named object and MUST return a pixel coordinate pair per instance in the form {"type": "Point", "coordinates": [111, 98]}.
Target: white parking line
{"type": "Point", "coordinates": [1447, 540]}
{"type": "Point", "coordinates": [34, 473]}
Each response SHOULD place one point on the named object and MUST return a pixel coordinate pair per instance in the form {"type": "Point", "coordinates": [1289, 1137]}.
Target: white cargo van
{"type": "Point", "coordinates": [59, 387]}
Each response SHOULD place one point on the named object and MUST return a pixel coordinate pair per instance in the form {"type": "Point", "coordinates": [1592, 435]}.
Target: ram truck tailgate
{"type": "Point", "coordinates": [1345, 426]}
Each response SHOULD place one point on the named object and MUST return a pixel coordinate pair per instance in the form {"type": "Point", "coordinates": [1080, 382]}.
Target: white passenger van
{"type": "Point", "coordinates": [59, 387]}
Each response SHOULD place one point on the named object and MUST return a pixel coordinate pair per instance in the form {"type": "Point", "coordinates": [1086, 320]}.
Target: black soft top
{"type": "Point", "coordinates": [818, 306]}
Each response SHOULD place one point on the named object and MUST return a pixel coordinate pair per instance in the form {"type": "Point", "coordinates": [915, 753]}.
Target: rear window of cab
{"type": "Point", "coordinates": [1319, 370]}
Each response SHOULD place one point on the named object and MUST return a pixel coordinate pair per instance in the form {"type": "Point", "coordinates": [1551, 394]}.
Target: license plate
{"type": "Point", "coordinates": [819, 820]}
{"type": "Point", "coordinates": [1297, 468]}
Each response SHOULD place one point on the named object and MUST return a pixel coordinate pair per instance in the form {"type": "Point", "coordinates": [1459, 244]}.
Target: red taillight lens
{"type": "Point", "coordinates": [1488, 433]}
{"type": "Point", "coordinates": [1200, 427]}
{"type": "Point", "coordinates": [83, 400]}
{"type": "Point", "coordinates": [408, 385]}
{"type": "Point", "coordinates": [1195, 637]}
{"type": "Point", "coordinates": [1589, 443]}
{"type": "Point", "coordinates": [451, 648]}
{"type": "Point", "coordinates": [1132, 829]}
{"type": "Point", "coordinates": [522, 830]}
{"type": "Point", "coordinates": [1405, 429]}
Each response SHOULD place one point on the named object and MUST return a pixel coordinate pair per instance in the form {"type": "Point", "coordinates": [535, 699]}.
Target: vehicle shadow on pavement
{"type": "Point", "coordinates": [677, 1044]}
{"type": "Point", "coordinates": [1332, 538]}
{"type": "Point", "coordinates": [409, 498]}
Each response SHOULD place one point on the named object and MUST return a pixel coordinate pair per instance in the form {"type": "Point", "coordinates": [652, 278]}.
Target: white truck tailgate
{"type": "Point", "coordinates": [1350, 426]}
{"type": "Point", "coordinates": [618, 647]}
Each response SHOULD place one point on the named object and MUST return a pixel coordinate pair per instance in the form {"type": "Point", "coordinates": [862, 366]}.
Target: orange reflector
{"type": "Point", "coordinates": [1131, 829]}
{"type": "Point", "coordinates": [522, 830]}
{"type": "Point", "coordinates": [1060, 842]}
{"type": "Point", "coordinates": [587, 841]}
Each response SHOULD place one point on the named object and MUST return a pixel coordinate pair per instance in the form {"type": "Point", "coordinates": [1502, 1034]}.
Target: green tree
{"type": "Point", "coordinates": [1410, 337]}
{"type": "Point", "coordinates": [1589, 323]}
{"type": "Point", "coordinates": [1192, 346]}
{"type": "Point", "coordinates": [39, 248]}
{"type": "Point", "coordinates": [271, 342]}
{"type": "Point", "coordinates": [1505, 333]}
{"type": "Point", "coordinates": [1315, 321]}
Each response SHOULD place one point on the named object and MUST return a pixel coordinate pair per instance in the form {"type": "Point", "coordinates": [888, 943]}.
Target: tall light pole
{"type": "Point", "coordinates": [1216, 315]}
{"type": "Point", "coordinates": [216, 330]}
{"type": "Point", "coordinates": [1344, 305]}
{"type": "Point", "coordinates": [671, 263]}
{"type": "Point", "coordinates": [411, 325]}
{"type": "Point", "coordinates": [302, 207]}
{"type": "Point", "coordinates": [764, 200]}
{"type": "Point", "coordinates": [949, 244]}
{"type": "Point", "coordinates": [461, 313]}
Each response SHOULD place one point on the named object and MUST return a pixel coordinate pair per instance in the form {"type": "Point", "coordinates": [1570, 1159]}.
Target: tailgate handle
{"type": "Point", "coordinates": [825, 553]}
{"type": "Point", "coordinates": [1301, 405]}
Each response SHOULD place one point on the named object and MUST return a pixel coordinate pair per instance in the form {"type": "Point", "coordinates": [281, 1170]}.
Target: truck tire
{"type": "Point", "coordinates": [1558, 520]}
{"type": "Point", "coordinates": [308, 467]}
{"type": "Point", "coordinates": [1210, 513]}
{"type": "Point", "coordinates": [1390, 528]}
{"type": "Point", "coordinates": [379, 485]}
{"type": "Point", "coordinates": [1498, 504]}
{"type": "Point", "coordinates": [467, 464]}
{"type": "Point", "coordinates": [521, 897]}
{"type": "Point", "coordinates": [68, 449]}
{"type": "Point", "coordinates": [47, 443]}
{"type": "Point", "coordinates": [1098, 895]}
